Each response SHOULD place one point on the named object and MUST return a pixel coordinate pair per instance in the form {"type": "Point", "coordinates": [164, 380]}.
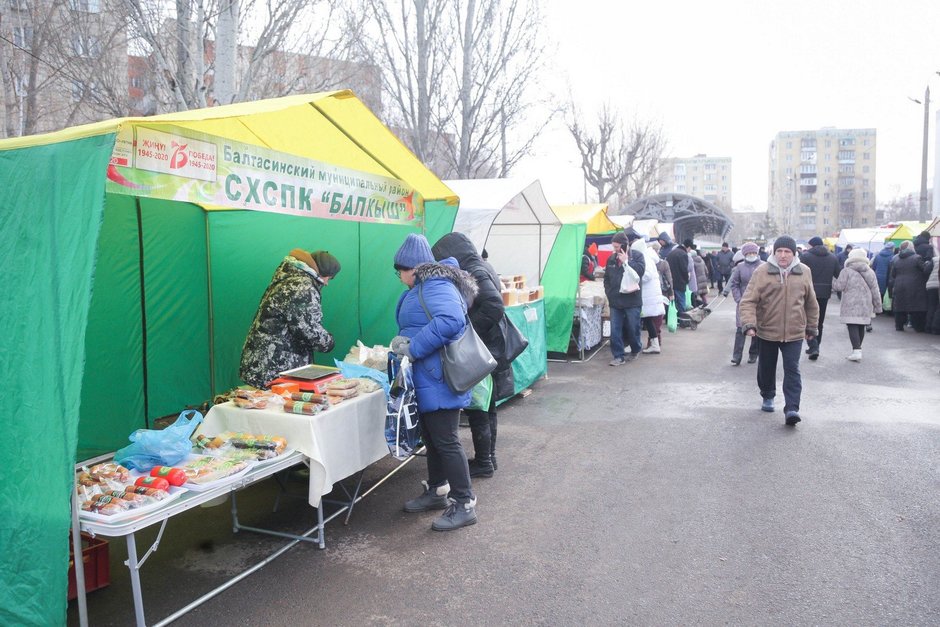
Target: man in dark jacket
{"type": "Point", "coordinates": [679, 262]}
{"type": "Point", "coordinates": [825, 267]}
{"type": "Point", "coordinates": [485, 313]}
{"type": "Point", "coordinates": [881, 264]}
{"type": "Point", "coordinates": [624, 308]}
{"type": "Point", "coordinates": [724, 260]}
{"type": "Point", "coordinates": [667, 244]}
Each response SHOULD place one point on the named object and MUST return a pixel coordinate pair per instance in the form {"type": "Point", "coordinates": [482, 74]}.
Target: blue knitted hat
{"type": "Point", "coordinates": [415, 251]}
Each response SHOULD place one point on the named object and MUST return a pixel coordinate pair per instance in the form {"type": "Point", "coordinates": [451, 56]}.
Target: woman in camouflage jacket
{"type": "Point", "coordinates": [288, 326]}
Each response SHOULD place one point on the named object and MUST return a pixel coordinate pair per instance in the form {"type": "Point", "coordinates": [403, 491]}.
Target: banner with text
{"type": "Point", "coordinates": [179, 164]}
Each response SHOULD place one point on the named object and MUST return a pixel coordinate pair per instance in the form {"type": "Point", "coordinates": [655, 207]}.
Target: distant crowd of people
{"type": "Point", "coordinates": [782, 297]}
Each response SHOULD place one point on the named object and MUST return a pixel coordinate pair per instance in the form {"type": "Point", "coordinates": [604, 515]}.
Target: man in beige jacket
{"type": "Point", "coordinates": [779, 306]}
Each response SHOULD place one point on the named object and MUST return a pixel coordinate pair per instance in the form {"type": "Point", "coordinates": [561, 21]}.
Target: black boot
{"type": "Point", "coordinates": [493, 438]}
{"type": "Point", "coordinates": [480, 465]}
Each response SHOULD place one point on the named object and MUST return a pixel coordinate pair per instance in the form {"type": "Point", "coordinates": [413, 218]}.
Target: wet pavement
{"type": "Point", "coordinates": [651, 493]}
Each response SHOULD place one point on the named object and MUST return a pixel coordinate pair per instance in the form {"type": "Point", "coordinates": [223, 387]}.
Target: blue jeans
{"type": "Point", "coordinates": [680, 300]}
{"type": "Point", "coordinates": [767, 372]}
{"type": "Point", "coordinates": [624, 328]}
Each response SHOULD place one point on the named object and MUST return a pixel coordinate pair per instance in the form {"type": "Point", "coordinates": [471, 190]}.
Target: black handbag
{"type": "Point", "coordinates": [513, 340]}
{"type": "Point", "coordinates": [466, 361]}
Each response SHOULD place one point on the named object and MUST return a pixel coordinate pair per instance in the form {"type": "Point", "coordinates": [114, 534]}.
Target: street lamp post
{"type": "Point", "coordinates": [922, 215]}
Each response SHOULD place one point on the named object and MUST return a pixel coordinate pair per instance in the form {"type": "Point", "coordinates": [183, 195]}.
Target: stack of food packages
{"type": "Point", "coordinates": [289, 397]}
{"type": "Point", "coordinates": [107, 489]}
{"type": "Point", "coordinates": [236, 446]}
{"type": "Point", "coordinates": [515, 292]}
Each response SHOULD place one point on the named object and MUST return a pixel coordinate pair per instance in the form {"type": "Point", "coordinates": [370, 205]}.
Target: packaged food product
{"type": "Point", "coordinates": [108, 508]}
{"type": "Point", "coordinates": [145, 491]}
{"type": "Point", "coordinates": [286, 388]}
{"type": "Point", "coordinates": [174, 476]}
{"type": "Point", "coordinates": [344, 392]}
{"type": "Point", "coordinates": [157, 483]}
{"type": "Point", "coordinates": [133, 500]}
{"type": "Point", "coordinates": [300, 407]}
{"type": "Point", "coordinates": [109, 470]}
{"type": "Point", "coordinates": [307, 397]}
{"type": "Point", "coordinates": [341, 384]}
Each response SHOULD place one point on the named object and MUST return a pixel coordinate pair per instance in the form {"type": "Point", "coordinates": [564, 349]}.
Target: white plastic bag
{"type": "Point", "coordinates": [631, 280]}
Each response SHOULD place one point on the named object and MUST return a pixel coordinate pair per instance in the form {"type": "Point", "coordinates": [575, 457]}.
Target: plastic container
{"type": "Point", "coordinates": [174, 476]}
{"type": "Point", "coordinates": [286, 388]}
{"type": "Point", "coordinates": [97, 565]}
{"type": "Point", "coordinates": [157, 483]}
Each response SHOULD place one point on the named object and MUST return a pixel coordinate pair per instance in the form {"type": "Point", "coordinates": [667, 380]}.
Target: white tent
{"type": "Point", "coordinates": [511, 219]}
{"type": "Point", "coordinates": [871, 239]}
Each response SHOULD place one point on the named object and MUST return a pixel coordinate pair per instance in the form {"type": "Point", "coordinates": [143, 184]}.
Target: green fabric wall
{"type": "Point", "coordinates": [47, 255]}
{"type": "Point", "coordinates": [560, 280]}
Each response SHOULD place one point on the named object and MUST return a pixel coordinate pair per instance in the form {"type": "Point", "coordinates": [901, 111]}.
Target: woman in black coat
{"type": "Point", "coordinates": [907, 286]}
{"type": "Point", "coordinates": [485, 313]}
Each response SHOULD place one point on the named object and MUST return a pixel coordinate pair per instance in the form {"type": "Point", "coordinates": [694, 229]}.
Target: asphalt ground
{"type": "Point", "coordinates": [652, 493]}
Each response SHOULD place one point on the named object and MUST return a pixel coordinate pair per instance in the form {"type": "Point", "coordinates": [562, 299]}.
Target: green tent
{"type": "Point", "coordinates": [131, 282]}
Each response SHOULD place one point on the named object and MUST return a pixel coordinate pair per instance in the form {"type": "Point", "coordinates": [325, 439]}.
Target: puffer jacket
{"type": "Point", "coordinates": [724, 259]}
{"type": "Point", "coordinates": [881, 264]}
{"type": "Point", "coordinates": [288, 326]}
{"type": "Point", "coordinates": [701, 274]}
{"type": "Point", "coordinates": [737, 284]}
{"type": "Point", "coordinates": [933, 276]}
{"type": "Point", "coordinates": [824, 266]}
{"type": "Point", "coordinates": [861, 298]}
{"type": "Point", "coordinates": [650, 283]}
{"type": "Point", "coordinates": [446, 290]}
{"type": "Point", "coordinates": [780, 309]}
{"type": "Point", "coordinates": [613, 275]}
{"type": "Point", "coordinates": [908, 282]}
{"type": "Point", "coordinates": [487, 308]}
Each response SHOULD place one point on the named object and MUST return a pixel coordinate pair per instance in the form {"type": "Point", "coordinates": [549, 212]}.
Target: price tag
{"type": "Point", "coordinates": [531, 314]}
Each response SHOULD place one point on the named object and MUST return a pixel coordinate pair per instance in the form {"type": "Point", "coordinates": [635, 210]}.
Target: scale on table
{"type": "Point", "coordinates": [312, 378]}
{"type": "Point", "coordinates": [309, 372]}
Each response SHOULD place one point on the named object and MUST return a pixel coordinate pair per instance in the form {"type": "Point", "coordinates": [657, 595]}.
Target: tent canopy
{"type": "Point", "coordinates": [594, 216]}
{"type": "Point", "coordinates": [907, 231]}
{"type": "Point", "coordinates": [871, 239]}
{"type": "Point", "coordinates": [511, 219]}
{"type": "Point", "coordinates": [174, 286]}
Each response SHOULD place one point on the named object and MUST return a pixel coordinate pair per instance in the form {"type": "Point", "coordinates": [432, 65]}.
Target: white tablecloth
{"type": "Point", "coordinates": [339, 442]}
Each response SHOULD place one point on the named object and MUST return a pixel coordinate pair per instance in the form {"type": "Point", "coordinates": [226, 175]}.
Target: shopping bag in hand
{"type": "Point", "coordinates": [672, 317]}
{"type": "Point", "coordinates": [402, 432]}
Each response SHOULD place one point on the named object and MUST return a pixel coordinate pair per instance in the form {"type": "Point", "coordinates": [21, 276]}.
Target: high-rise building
{"type": "Point", "coordinates": [708, 178]}
{"type": "Point", "coordinates": [822, 181]}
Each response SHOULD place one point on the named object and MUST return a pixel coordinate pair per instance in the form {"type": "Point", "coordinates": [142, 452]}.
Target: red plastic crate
{"type": "Point", "coordinates": [97, 565]}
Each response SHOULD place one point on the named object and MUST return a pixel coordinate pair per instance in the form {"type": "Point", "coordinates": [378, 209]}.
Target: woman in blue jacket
{"type": "Point", "coordinates": [430, 315]}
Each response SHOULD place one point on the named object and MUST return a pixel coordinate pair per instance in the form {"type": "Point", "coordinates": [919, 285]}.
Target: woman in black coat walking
{"type": "Point", "coordinates": [908, 288]}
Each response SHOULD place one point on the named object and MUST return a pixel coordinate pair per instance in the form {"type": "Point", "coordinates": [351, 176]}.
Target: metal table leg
{"type": "Point", "coordinates": [134, 567]}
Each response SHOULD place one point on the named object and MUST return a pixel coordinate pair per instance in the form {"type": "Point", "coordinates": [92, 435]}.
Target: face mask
{"type": "Point", "coordinates": [750, 257]}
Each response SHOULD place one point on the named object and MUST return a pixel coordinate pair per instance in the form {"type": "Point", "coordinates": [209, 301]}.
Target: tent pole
{"type": "Point", "coordinates": [143, 310]}
{"type": "Point", "coordinates": [211, 310]}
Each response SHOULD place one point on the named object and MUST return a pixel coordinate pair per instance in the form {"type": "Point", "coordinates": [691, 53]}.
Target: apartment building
{"type": "Point", "coordinates": [822, 181]}
{"type": "Point", "coordinates": [708, 178]}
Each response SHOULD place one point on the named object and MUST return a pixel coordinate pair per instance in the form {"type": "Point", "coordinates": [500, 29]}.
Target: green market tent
{"type": "Point", "coordinates": [523, 235]}
{"type": "Point", "coordinates": [129, 292]}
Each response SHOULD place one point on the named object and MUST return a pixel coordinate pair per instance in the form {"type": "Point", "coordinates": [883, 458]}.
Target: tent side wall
{"type": "Point", "coordinates": [560, 281]}
{"type": "Point", "coordinates": [48, 255]}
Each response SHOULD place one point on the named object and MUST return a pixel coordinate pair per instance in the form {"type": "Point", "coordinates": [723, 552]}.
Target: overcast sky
{"type": "Point", "coordinates": [723, 77]}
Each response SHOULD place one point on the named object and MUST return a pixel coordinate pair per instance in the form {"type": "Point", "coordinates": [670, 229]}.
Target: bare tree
{"type": "Point", "coordinates": [501, 57]}
{"type": "Point", "coordinates": [62, 63]}
{"type": "Point", "coordinates": [459, 76]}
{"type": "Point", "coordinates": [620, 164]}
{"type": "Point", "coordinates": [206, 52]}
{"type": "Point", "coordinates": [409, 44]}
